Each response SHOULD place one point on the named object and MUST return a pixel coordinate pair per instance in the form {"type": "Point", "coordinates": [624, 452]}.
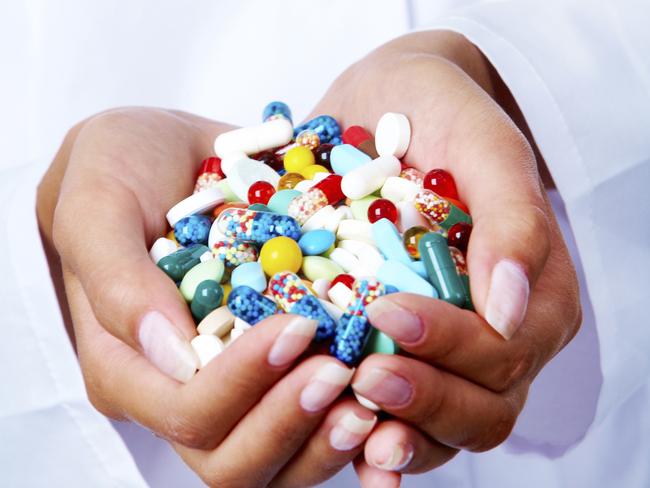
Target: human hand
{"type": "Point", "coordinates": [250, 417]}
{"type": "Point", "coordinates": [460, 385]}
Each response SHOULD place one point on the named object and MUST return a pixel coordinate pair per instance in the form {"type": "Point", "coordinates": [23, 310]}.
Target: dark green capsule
{"type": "Point", "coordinates": [468, 294]}
{"type": "Point", "coordinates": [455, 215]}
{"type": "Point", "coordinates": [441, 269]}
{"type": "Point", "coordinates": [180, 262]}
{"type": "Point", "coordinates": [207, 297]}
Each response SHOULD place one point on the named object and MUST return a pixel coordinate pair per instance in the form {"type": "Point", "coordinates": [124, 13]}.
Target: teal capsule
{"type": "Point", "coordinates": [441, 268]}
{"type": "Point", "coordinates": [207, 297]}
{"type": "Point", "coordinates": [259, 207]}
{"type": "Point", "coordinates": [180, 262]}
{"type": "Point", "coordinates": [379, 343]}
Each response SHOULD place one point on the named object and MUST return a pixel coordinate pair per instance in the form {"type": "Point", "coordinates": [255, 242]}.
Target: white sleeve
{"type": "Point", "coordinates": [580, 72]}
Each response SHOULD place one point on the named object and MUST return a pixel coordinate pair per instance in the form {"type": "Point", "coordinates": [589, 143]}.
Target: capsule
{"type": "Point", "coordinates": [256, 226]}
{"type": "Point", "coordinates": [438, 210]}
{"type": "Point", "coordinates": [325, 126]}
{"type": "Point", "coordinates": [250, 306]}
{"type": "Point", "coordinates": [207, 297]}
{"type": "Point", "coordinates": [176, 264]}
{"type": "Point", "coordinates": [233, 252]}
{"type": "Point", "coordinates": [326, 192]}
{"type": "Point", "coordinates": [370, 177]}
{"type": "Point", "coordinates": [441, 268]}
{"type": "Point", "coordinates": [276, 110]}
{"type": "Point", "coordinates": [361, 139]}
{"type": "Point", "coordinates": [461, 268]}
{"type": "Point", "coordinates": [293, 296]}
{"type": "Point", "coordinates": [354, 328]}
{"type": "Point", "coordinates": [254, 139]}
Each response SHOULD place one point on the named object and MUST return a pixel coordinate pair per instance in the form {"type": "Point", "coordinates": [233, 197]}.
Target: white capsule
{"type": "Point", "coordinates": [340, 214]}
{"type": "Point", "coordinates": [206, 256]}
{"type": "Point", "coordinates": [304, 185]}
{"type": "Point", "coordinates": [370, 177]}
{"type": "Point", "coordinates": [397, 189]}
{"type": "Point", "coordinates": [207, 347]}
{"type": "Point", "coordinates": [393, 135]}
{"type": "Point", "coordinates": [241, 324]}
{"type": "Point", "coordinates": [357, 230]}
{"type": "Point", "coordinates": [251, 140]}
{"type": "Point", "coordinates": [319, 219]}
{"type": "Point", "coordinates": [345, 259]}
{"type": "Point", "coordinates": [331, 309]}
{"type": "Point", "coordinates": [340, 295]}
{"type": "Point", "coordinates": [364, 402]}
{"type": "Point", "coordinates": [408, 216]}
{"type": "Point", "coordinates": [234, 335]}
{"type": "Point", "coordinates": [369, 256]}
{"type": "Point", "coordinates": [217, 323]}
{"type": "Point", "coordinates": [161, 248]}
{"type": "Point", "coordinates": [247, 171]}
{"type": "Point", "coordinates": [197, 203]}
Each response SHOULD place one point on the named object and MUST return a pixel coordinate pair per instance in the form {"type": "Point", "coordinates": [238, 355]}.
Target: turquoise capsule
{"type": "Point", "coordinates": [180, 262]}
{"type": "Point", "coordinates": [207, 297]}
{"type": "Point", "coordinates": [441, 268]}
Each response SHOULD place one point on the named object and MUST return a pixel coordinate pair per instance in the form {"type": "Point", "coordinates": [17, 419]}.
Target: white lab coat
{"type": "Point", "coordinates": [579, 70]}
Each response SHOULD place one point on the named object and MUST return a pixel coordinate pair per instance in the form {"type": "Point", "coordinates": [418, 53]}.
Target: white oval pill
{"type": "Point", "coordinates": [197, 203]}
{"type": "Point", "coordinates": [393, 135]}
{"type": "Point", "coordinates": [319, 219]}
{"type": "Point", "coordinates": [345, 259]}
{"type": "Point", "coordinates": [207, 347]}
{"type": "Point", "coordinates": [217, 323]}
{"type": "Point", "coordinates": [370, 177]}
{"type": "Point", "coordinates": [161, 248]}
{"type": "Point", "coordinates": [247, 171]}
{"type": "Point", "coordinates": [397, 189]}
{"type": "Point", "coordinates": [251, 140]}
{"type": "Point", "coordinates": [356, 230]}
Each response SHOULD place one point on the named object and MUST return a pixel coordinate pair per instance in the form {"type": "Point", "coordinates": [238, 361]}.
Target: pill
{"type": "Point", "coordinates": [414, 175]}
{"type": "Point", "coordinates": [411, 239]}
{"type": "Point", "coordinates": [361, 139]}
{"type": "Point", "coordinates": [304, 185]}
{"type": "Point", "coordinates": [325, 192]}
{"type": "Point", "coordinates": [404, 279]}
{"type": "Point", "coordinates": [382, 209]}
{"type": "Point", "coordinates": [388, 240]}
{"type": "Point", "coordinates": [280, 254]}
{"type": "Point", "coordinates": [318, 267]}
{"type": "Point", "coordinates": [249, 274]}
{"type": "Point", "coordinates": [440, 182]}
{"type": "Point", "coordinates": [458, 236]}
{"type": "Point", "coordinates": [408, 216]}
{"type": "Point", "coordinates": [359, 207]}
{"type": "Point", "coordinates": [197, 203]}
{"type": "Point", "coordinates": [208, 270]}
{"type": "Point", "coordinates": [241, 324]}
{"type": "Point", "coordinates": [291, 294]}
{"type": "Point", "coordinates": [234, 335]}
{"type": "Point", "coordinates": [369, 178]}
{"type": "Point", "coordinates": [461, 268]}
{"type": "Point", "coordinates": [206, 256]}
{"type": "Point", "coordinates": [380, 343]}
{"type": "Point", "coordinates": [247, 172]}
{"type": "Point", "coordinates": [355, 230]}
{"type": "Point", "coordinates": [178, 263]}
{"type": "Point", "coordinates": [345, 157]}
{"type": "Point", "coordinates": [209, 175]}
{"type": "Point", "coordinates": [363, 401]}
{"type": "Point", "coordinates": [316, 242]}
{"type": "Point", "coordinates": [397, 189]}
{"type": "Point", "coordinates": [274, 110]}
{"type": "Point", "coordinates": [250, 305]}
{"type": "Point", "coordinates": [308, 138]}
{"type": "Point", "coordinates": [320, 219]}
{"type": "Point", "coordinates": [207, 297]}
{"type": "Point", "coordinates": [441, 269]}
{"type": "Point", "coordinates": [345, 259]}
{"type": "Point", "coordinates": [369, 256]}
{"type": "Point", "coordinates": [233, 252]}
{"type": "Point", "coordinates": [438, 210]}
{"type": "Point", "coordinates": [224, 187]}
{"type": "Point", "coordinates": [257, 227]}
{"type": "Point", "coordinates": [217, 323]}
{"type": "Point", "coordinates": [312, 172]}
{"type": "Point", "coordinates": [393, 135]}
{"type": "Point", "coordinates": [192, 230]}
{"type": "Point", "coordinates": [331, 309]}
{"type": "Point", "coordinates": [353, 329]}
{"type": "Point", "coordinates": [279, 202]}
{"type": "Point", "coordinates": [251, 140]}
{"type": "Point", "coordinates": [289, 181]}
{"type": "Point", "coordinates": [325, 126]}
{"type": "Point", "coordinates": [298, 158]}
{"type": "Point", "coordinates": [260, 192]}
{"type": "Point", "coordinates": [340, 214]}
{"type": "Point", "coordinates": [161, 248]}
{"type": "Point", "coordinates": [320, 286]}
{"type": "Point", "coordinates": [207, 347]}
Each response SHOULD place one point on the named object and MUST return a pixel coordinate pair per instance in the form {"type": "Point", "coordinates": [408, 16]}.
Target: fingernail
{"type": "Point", "coordinates": [394, 458]}
{"type": "Point", "coordinates": [327, 384]}
{"type": "Point", "coordinates": [350, 431]}
{"type": "Point", "coordinates": [397, 322]}
{"type": "Point", "coordinates": [166, 347]}
{"type": "Point", "coordinates": [507, 298]}
{"type": "Point", "coordinates": [292, 341]}
{"type": "Point", "coordinates": [383, 387]}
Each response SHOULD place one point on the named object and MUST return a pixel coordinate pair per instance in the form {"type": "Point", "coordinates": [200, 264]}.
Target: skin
{"type": "Point", "coordinates": [118, 172]}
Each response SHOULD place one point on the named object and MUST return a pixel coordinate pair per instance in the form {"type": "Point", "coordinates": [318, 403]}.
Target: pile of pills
{"type": "Point", "coordinates": [316, 222]}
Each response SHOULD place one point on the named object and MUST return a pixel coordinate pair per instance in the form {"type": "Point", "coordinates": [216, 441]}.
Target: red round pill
{"type": "Point", "coordinates": [382, 209]}
{"type": "Point", "coordinates": [346, 279]}
{"type": "Point", "coordinates": [441, 182]}
{"type": "Point", "coordinates": [260, 192]}
{"type": "Point", "coordinates": [211, 165]}
{"type": "Point", "coordinates": [458, 236]}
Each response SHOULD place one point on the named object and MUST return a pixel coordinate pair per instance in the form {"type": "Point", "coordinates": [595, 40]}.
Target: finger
{"type": "Point", "coordinates": [273, 430]}
{"type": "Point", "coordinates": [396, 446]}
{"type": "Point", "coordinates": [451, 410]}
{"type": "Point", "coordinates": [334, 444]}
{"type": "Point", "coordinates": [372, 477]}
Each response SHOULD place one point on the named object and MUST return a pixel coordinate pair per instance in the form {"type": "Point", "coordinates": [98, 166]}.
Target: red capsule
{"type": "Point", "coordinates": [211, 165]}
{"type": "Point", "coordinates": [458, 236]}
{"type": "Point", "coordinates": [441, 182]}
{"type": "Point", "coordinates": [346, 279]}
{"type": "Point", "coordinates": [382, 209]}
{"type": "Point", "coordinates": [355, 135]}
{"type": "Point", "coordinates": [260, 192]}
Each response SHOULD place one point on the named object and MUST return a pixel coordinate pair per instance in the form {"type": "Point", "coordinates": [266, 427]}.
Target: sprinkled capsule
{"type": "Point", "coordinates": [326, 192]}
{"type": "Point", "coordinates": [354, 327]}
{"type": "Point", "coordinates": [413, 175]}
{"type": "Point", "coordinates": [293, 296]}
{"type": "Point", "coordinates": [438, 210]}
{"type": "Point", "coordinates": [256, 226]}
{"type": "Point", "coordinates": [233, 252]}
{"type": "Point", "coordinates": [325, 126]}
{"type": "Point", "coordinates": [250, 306]}
{"type": "Point", "coordinates": [308, 138]}
{"type": "Point", "coordinates": [209, 174]}
{"type": "Point", "coordinates": [274, 110]}
{"type": "Point", "coordinates": [192, 230]}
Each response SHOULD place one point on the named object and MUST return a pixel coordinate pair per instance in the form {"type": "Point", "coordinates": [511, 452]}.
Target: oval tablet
{"type": "Point", "coordinates": [316, 242]}
{"type": "Point", "coordinates": [393, 135]}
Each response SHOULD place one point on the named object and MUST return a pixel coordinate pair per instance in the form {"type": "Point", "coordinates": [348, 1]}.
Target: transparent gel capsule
{"type": "Point", "coordinates": [256, 226]}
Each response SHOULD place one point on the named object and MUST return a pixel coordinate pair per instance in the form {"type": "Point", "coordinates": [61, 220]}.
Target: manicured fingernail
{"type": "Point", "coordinates": [166, 347]}
{"type": "Point", "coordinates": [292, 341]}
{"type": "Point", "coordinates": [397, 322]}
{"type": "Point", "coordinates": [383, 387]}
{"type": "Point", "coordinates": [507, 298]}
{"type": "Point", "coordinates": [393, 458]}
{"type": "Point", "coordinates": [350, 431]}
{"type": "Point", "coordinates": [327, 384]}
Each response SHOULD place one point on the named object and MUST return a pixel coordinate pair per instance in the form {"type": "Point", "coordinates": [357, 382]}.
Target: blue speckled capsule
{"type": "Point", "coordinates": [354, 328]}
{"type": "Point", "coordinates": [325, 126]}
{"type": "Point", "coordinates": [250, 306]}
{"type": "Point", "coordinates": [192, 230]}
{"type": "Point", "coordinates": [256, 226]}
{"type": "Point", "coordinates": [275, 110]}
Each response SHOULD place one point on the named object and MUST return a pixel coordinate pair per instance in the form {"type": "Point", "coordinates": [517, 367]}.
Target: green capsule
{"type": "Point", "coordinates": [208, 297]}
{"type": "Point", "coordinates": [180, 262]}
{"type": "Point", "coordinates": [379, 343]}
{"type": "Point", "coordinates": [441, 269]}
{"type": "Point", "coordinates": [468, 295]}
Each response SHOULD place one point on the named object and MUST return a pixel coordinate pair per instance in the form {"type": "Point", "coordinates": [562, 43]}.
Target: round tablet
{"type": "Point", "coordinates": [245, 172]}
{"type": "Point", "coordinates": [195, 204]}
{"type": "Point", "coordinates": [393, 135]}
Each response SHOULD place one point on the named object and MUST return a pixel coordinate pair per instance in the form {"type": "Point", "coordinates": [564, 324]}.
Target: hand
{"type": "Point", "coordinates": [461, 385]}
{"type": "Point", "coordinates": [250, 417]}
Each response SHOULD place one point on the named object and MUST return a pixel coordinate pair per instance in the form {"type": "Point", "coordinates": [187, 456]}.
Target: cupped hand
{"type": "Point", "coordinates": [465, 375]}
{"type": "Point", "coordinates": [251, 417]}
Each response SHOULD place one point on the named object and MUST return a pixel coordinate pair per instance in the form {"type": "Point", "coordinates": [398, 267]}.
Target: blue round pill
{"type": "Point", "coordinates": [316, 242]}
{"type": "Point", "coordinates": [249, 274]}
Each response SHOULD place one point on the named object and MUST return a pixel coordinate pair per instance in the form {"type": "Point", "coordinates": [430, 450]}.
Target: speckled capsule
{"type": "Point", "coordinates": [233, 252]}
{"type": "Point", "coordinates": [325, 126]}
{"type": "Point", "coordinates": [192, 230]}
{"type": "Point", "coordinates": [250, 306]}
{"type": "Point", "coordinates": [256, 226]}
{"type": "Point", "coordinates": [439, 210]}
{"type": "Point", "coordinates": [274, 110]}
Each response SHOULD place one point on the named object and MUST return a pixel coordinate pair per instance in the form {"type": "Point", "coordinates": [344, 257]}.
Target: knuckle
{"type": "Point", "coordinates": [516, 369]}
{"type": "Point", "coordinates": [181, 428]}
{"type": "Point", "coordinates": [498, 432]}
